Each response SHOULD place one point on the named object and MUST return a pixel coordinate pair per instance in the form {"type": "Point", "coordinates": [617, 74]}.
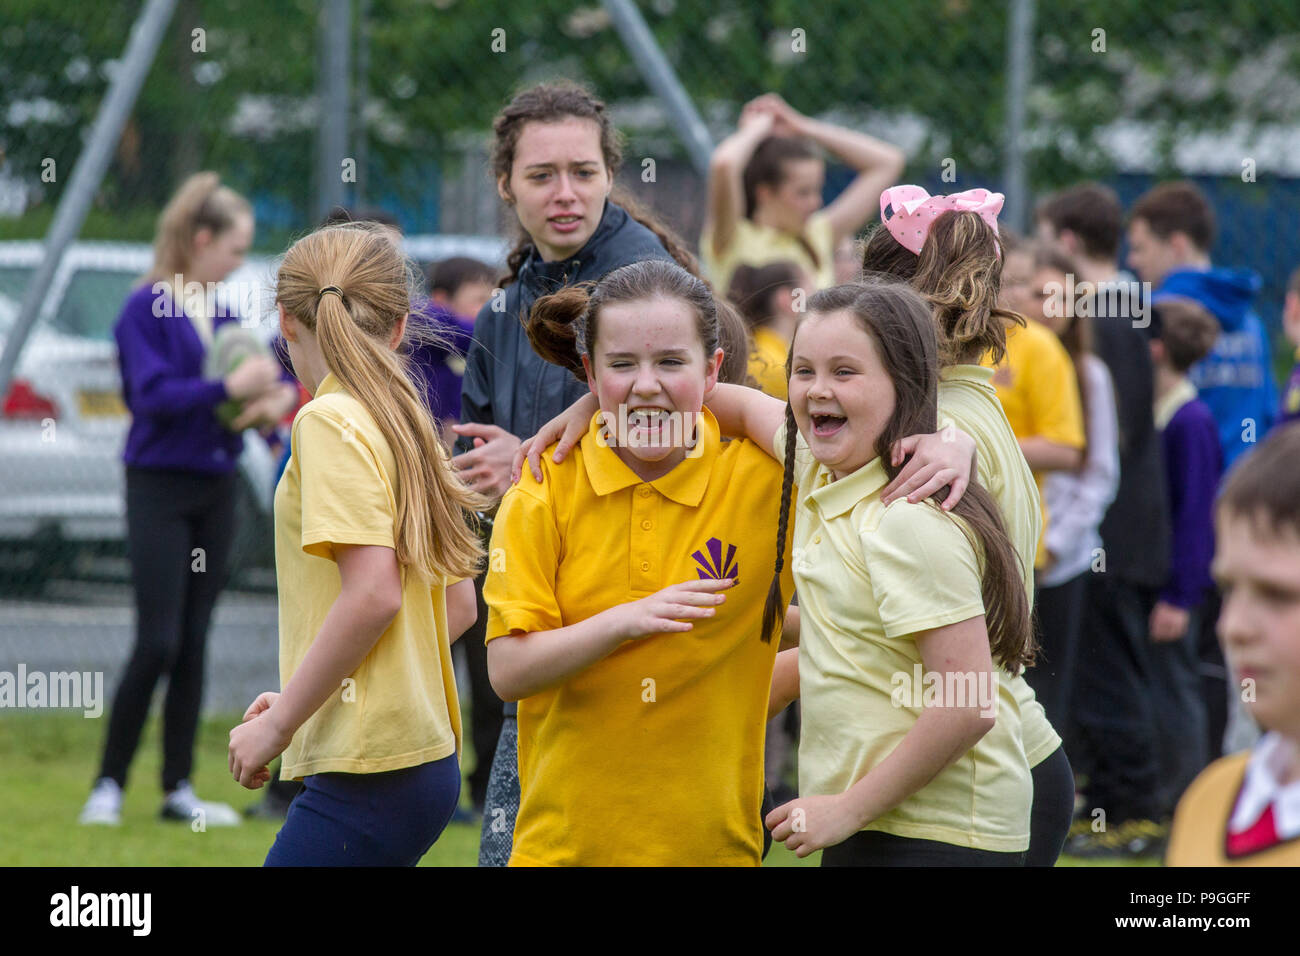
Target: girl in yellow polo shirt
{"type": "Point", "coordinates": [911, 750]}
{"type": "Point", "coordinates": [625, 594]}
{"type": "Point", "coordinates": [369, 528]}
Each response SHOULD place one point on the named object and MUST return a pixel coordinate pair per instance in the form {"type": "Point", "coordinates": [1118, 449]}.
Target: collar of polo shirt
{"type": "Point", "coordinates": [685, 484]}
{"type": "Point", "coordinates": [838, 497]}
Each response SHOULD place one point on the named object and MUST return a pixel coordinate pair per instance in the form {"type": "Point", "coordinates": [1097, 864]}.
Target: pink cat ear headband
{"type": "Point", "coordinates": [908, 212]}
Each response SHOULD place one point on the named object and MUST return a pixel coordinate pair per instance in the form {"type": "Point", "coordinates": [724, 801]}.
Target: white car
{"type": "Point", "coordinates": [63, 424]}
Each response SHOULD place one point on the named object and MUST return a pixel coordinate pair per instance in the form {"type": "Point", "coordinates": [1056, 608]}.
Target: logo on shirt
{"type": "Point", "coordinates": [713, 566]}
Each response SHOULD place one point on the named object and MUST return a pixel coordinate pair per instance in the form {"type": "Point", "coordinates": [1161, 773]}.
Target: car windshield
{"type": "Point", "coordinates": [92, 302]}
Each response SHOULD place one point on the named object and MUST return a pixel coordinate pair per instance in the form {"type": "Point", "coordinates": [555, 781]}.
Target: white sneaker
{"type": "Point", "coordinates": [182, 804]}
{"type": "Point", "coordinates": [105, 804]}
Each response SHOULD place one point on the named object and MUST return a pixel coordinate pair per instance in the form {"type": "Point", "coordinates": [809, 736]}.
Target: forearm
{"type": "Point", "coordinates": [351, 629]}
{"type": "Point", "coordinates": [785, 682]}
{"type": "Point", "coordinates": [744, 412]}
{"type": "Point", "coordinates": [522, 665]}
{"type": "Point", "coordinates": [939, 737]}
{"type": "Point", "coordinates": [862, 152]}
{"type": "Point", "coordinates": [1046, 455]}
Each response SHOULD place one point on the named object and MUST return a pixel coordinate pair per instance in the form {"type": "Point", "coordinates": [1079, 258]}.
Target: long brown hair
{"type": "Point", "coordinates": [752, 288]}
{"type": "Point", "coordinates": [552, 103]}
{"type": "Point", "coordinates": [431, 532]}
{"type": "Point", "coordinates": [959, 271]}
{"type": "Point", "coordinates": [900, 325]}
{"type": "Point", "coordinates": [200, 203]}
{"type": "Point", "coordinates": [563, 326]}
{"type": "Point", "coordinates": [1077, 335]}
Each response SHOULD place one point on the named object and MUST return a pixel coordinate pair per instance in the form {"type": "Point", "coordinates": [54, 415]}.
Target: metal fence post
{"type": "Point", "coordinates": [1020, 32]}
{"type": "Point", "coordinates": [662, 80]}
{"type": "Point", "coordinates": [332, 86]}
{"type": "Point", "coordinates": [141, 47]}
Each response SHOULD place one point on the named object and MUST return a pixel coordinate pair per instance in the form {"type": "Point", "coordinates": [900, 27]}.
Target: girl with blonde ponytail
{"type": "Point", "coordinates": [373, 557]}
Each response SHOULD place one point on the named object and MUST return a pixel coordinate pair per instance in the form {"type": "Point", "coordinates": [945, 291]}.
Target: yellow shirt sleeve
{"type": "Point", "coordinates": [1053, 390]}
{"type": "Point", "coordinates": [525, 553]}
{"type": "Point", "coordinates": [924, 572]}
{"type": "Point", "coordinates": [345, 497]}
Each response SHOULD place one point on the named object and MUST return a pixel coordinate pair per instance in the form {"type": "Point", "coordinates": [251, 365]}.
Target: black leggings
{"type": "Point", "coordinates": [873, 848]}
{"type": "Point", "coordinates": [169, 514]}
{"type": "Point", "coordinates": [1053, 808]}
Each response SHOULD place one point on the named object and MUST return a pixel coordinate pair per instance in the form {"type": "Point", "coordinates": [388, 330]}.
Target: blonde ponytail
{"type": "Point", "coordinates": [433, 535]}
{"type": "Point", "coordinates": [200, 203]}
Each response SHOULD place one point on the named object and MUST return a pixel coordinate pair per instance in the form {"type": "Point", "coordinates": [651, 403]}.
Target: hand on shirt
{"type": "Point", "coordinates": [663, 611]}
{"type": "Point", "coordinates": [256, 742]}
{"type": "Point", "coordinates": [946, 457]}
{"type": "Point", "coordinates": [809, 824]}
{"type": "Point", "coordinates": [1168, 622]}
{"type": "Point", "coordinates": [567, 428]}
{"type": "Point", "coordinates": [486, 467]}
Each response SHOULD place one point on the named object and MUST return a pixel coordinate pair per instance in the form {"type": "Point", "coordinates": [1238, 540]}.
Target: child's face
{"type": "Point", "coordinates": [1047, 293]}
{"type": "Point", "coordinates": [798, 195]}
{"type": "Point", "coordinates": [840, 393]}
{"type": "Point", "coordinates": [216, 256]}
{"type": "Point", "coordinates": [649, 373]}
{"type": "Point", "coordinates": [1291, 318]}
{"type": "Point", "coordinates": [1260, 620]}
{"type": "Point", "coordinates": [1015, 293]}
{"type": "Point", "coordinates": [469, 298]}
{"type": "Point", "coordinates": [559, 183]}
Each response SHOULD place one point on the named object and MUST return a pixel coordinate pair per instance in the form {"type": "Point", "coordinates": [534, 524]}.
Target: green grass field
{"type": "Point", "coordinates": [49, 762]}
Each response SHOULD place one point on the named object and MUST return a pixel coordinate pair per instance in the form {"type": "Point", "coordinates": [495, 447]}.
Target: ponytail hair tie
{"type": "Point", "coordinates": [329, 288]}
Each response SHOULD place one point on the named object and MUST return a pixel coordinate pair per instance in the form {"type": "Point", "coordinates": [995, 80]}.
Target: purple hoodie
{"type": "Point", "coordinates": [173, 420]}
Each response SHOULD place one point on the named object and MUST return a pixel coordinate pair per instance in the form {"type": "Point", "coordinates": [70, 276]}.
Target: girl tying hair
{"type": "Point", "coordinates": [370, 530]}
{"type": "Point", "coordinates": [765, 191]}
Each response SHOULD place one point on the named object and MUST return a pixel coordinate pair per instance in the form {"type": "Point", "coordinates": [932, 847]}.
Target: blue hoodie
{"type": "Point", "coordinates": [1236, 379]}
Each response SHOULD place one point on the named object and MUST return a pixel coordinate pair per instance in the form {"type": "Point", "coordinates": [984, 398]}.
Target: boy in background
{"type": "Point", "coordinates": [458, 288]}
{"type": "Point", "coordinates": [1244, 810]}
{"type": "Point", "coordinates": [1183, 332]}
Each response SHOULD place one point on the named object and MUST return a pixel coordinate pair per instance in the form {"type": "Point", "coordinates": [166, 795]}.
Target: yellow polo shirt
{"type": "Point", "coordinates": [653, 755]}
{"type": "Point", "coordinates": [1036, 384]}
{"type": "Point", "coordinates": [967, 399]}
{"type": "Point", "coordinates": [755, 245]}
{"type": "Point", "coordinates": [870, 578]}
{"type": "Point", "coordinates": [399, 708]}
{"type": "Point", "coordinates": [767, 362]}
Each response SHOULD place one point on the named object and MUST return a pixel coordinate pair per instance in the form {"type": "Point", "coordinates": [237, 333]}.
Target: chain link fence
{"type": "Point", "coordinates": [1126, 92]}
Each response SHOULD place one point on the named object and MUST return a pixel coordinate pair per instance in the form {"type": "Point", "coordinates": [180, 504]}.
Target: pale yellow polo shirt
{"type": "Point", "coordinates": [399, 708]}
{"type": "Point", "coordinates": [652, 756]}
{"type": "Point", "coordinates": [967, 399]}
{"type": "Point", "coordinates": [1039, 391]}
{"type": "Point", "coordinates": [870, 578]}
{"type": "Point", "coordinates": [767, 362]}
{"type": "Point", "coordinates": [755, 245]}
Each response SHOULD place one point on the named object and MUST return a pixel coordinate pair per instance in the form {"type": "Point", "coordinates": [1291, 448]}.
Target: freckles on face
{"type": "Point", "coordinates": [840, 393]}
{"type": "Point", "coordinates": [648, 369]}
